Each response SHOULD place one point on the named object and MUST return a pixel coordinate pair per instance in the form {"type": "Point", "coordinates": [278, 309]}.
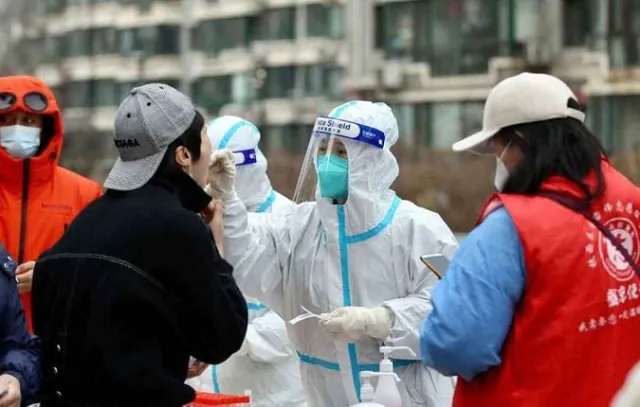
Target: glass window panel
{"type": "Point", "coordinates": [78, 43]}
{"type": "Point", "coordinates": [280, 82]}
{"type": "Point", "coordinates": [212, 92]}
{"type": "Point", "coordinates": [104, 93]}
{"type": "Point", "coordinates": [104, 41]}
{"type": "Point", "coordinates": [472, 113]}
{"type": "Point", "coordinates": [405, 115]}
{"type": "Point", "coordinates": [336, 21]}
{"type": "Point", "coordinates": [314, 80]}
{"type": "Point", "coordinates": [446, 124]}
{"type": "Point", "coordinates": [396, 29]}
{"type": "Point", "coordinates": [127, 41]}
{"type": "Point", "coordinates": [78, 94]}
{"type": "Point", "coordinates": [318, 20]}
{"type": "Point", "coordinates": [277, 24]}
{"type": "Point", "coordinates": [423, 124]}
{"type": "Point", "coordinates": [242, 88]}
{"type": "Point", "coordinates": [295, 137]}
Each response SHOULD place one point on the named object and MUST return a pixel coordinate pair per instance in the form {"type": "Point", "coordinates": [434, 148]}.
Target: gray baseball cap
{"type": "Point", "coordinates": [149, 119]}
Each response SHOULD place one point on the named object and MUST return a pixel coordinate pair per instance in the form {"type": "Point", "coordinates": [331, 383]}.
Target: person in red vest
{"type": "Point", "coordinates": [540, 306]}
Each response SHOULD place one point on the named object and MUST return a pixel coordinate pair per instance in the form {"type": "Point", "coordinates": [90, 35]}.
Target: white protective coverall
{"type": "Point", "coordinates": [267, 363]}
{"type": "Point", "coordinates": [364, 253]}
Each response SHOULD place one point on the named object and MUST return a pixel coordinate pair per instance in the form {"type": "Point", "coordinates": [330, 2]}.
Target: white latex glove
{"type": "Point", "coordinates": [222, 174]}
{"type": "Point", "coordinates": [353, 323]}
{"type": "Point", "coordinates": [629, 395]}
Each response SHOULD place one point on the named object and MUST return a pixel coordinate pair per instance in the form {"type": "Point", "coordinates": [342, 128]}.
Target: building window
{"type": "Point", "coordinates": [453, 37]}
{"type": "Point", "coordinates": [53, 49]}
{"type": "Point", "coordinates": [212, 92]}
{"type": "Point", "coordinates": [396, 24]}
{"type": "Point", "coordinates": [277, 24]}
{"type": "Point", "coordinates": [104, 93]}
{"type": "Point", "coordinates": [243, 89]}
{"type": "Point", "coordinates": [55, 6]}
{"type": "Point", "coordinates": [159, 40]}
{"type": "Point", "coordinates": [123, 89]}
{"type": "Point", "coordinates": [104, 41]}
{"type": "Point", "coordinates": [167, 40]}
{"type": "Point", "coordinates": [78, 43]}
{"type": "Point", "coordinates": [127, 41]}
{"type": "Point", "coordinates": [325, 20]}
{"type": "Point", "coordinates": [77, 94]}
{"type": "Point", "coordinates": [615, 121]}
{"type": "Point", "coordinates": [405, 115]}
{"type": "Point", "coordinates": [453, 121]}
{"type": "Point", "coordinates": [291, 137]}
{"type": "Point", "coordinates": [214, 36]}
{"type": "Point", "coordinates": [279, 83]}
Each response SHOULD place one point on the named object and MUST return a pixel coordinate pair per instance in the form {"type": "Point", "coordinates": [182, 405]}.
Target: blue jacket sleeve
{"type": "Point", "coordinates": [19, 350]}
{"type": "Point", "coordinates": [474, 303]}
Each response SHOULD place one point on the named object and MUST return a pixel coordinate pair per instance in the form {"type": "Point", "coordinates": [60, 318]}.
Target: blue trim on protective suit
{"type": "Point", "coordinates": [340, 109]}
{"type": "Point", "coordinates": [232, 131]}
{"type": "Point", "coordinates": [373, 367]}
{"type": "Point", "coordinates": [267, 204]}
{"type": "Point", "coordinates": [255, 306]}
{"type": "Point", "coordinates": [251, 306]}
{"type": "Point", "coordinates": [214, 379]}
{"type": "Point", "coordinates": [344, 240]}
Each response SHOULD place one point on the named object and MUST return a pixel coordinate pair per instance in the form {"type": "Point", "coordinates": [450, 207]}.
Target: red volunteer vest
{"type": "Point", "coordinates": [576, 332]}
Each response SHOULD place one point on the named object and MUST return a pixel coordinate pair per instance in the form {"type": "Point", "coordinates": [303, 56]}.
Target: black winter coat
{"type": "Point", "coordinates": [133, 288]}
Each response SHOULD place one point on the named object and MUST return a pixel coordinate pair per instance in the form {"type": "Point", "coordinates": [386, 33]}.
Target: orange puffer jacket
{"type": "Point", "coordinates": [38, 199]}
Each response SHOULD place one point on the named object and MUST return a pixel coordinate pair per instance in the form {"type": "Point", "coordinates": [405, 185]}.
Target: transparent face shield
{"type": "Point", "coordinates": [326, 162]}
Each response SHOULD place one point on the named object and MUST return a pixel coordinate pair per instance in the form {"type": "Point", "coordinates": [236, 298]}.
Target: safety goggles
{"type": "Point", "coordinates": [34, 101]}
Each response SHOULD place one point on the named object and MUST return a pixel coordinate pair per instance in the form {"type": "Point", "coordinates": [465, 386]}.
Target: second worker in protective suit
{"type": "Point", "coordinates": [351, 253]}
{"type": "Point", "coordinates": [267, 363]}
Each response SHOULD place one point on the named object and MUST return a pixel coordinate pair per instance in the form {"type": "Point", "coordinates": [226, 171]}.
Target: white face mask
{"type": "Point", "coordinates": [20, 141]}
{"type": "Point", "coordinates": [502, 173]}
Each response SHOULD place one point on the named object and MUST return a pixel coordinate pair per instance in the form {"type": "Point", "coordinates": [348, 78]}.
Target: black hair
{"type": "Point", "coordinates": [191, 139]}
{"type": "Point", "coordinates": [563, 147]}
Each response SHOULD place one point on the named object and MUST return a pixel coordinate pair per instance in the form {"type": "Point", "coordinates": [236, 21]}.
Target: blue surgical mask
{"type": "Point", "coordinates": [333, 176]}
{"type": "Point", "coordinates": [20, 141]}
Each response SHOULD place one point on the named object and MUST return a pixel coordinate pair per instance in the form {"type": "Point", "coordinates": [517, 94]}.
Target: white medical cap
{"type": "Point", "coordinates": [377, 115]}
{"type": "Point", "coordinates": [233, 132]}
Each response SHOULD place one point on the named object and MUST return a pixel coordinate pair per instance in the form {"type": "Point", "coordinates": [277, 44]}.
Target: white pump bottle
{"type": "Point", "coordinates": [366, 390]}
{"type": "Point", "coordinates": [387, 392]}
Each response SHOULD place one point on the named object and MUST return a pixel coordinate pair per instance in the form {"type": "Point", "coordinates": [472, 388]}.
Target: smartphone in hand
{"type": "Point", "coordinates": [436, 263]}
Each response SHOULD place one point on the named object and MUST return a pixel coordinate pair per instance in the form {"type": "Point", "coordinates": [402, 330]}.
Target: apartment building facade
{"type": "Point", "coordinates": [282, 62]}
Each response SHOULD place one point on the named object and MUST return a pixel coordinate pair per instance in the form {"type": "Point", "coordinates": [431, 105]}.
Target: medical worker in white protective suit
{"type": "Point", "coordinates": [267, 363]}
{"type": "Point", "coordinates": [353, 254]}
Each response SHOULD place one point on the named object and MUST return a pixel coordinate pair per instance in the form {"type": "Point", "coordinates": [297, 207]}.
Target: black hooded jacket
{"type": "Point", "coordinates": [133, 288]}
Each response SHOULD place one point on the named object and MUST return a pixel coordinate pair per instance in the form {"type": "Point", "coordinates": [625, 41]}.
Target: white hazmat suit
{"type": "Point", "coordinates": [267, 363]}
{"type": "Point", "coordinates": [357, 258]}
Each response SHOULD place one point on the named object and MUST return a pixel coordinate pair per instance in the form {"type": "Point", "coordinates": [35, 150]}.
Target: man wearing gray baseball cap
{"type": "Point", "coordinates": [136, 285]}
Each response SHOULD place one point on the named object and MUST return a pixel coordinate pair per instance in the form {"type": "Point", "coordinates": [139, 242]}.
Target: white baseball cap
{"type": "Point", "coordinates": [524, 98]}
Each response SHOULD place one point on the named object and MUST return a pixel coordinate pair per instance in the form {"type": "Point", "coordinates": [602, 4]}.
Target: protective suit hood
{"type": "Point", "coordinates": [371, 170]}
{"type": "Point", "coordinates": [252, 183]}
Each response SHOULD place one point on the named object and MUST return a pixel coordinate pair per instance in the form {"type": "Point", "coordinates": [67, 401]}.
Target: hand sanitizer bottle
{"type": "Point", "coordinates": [387, 392]}
{"type": "Point", "coordinates": [366, 390]}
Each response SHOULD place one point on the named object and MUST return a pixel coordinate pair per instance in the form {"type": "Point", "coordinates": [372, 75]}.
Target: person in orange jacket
{"type": "Point", "coordinates": [38, 198]}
